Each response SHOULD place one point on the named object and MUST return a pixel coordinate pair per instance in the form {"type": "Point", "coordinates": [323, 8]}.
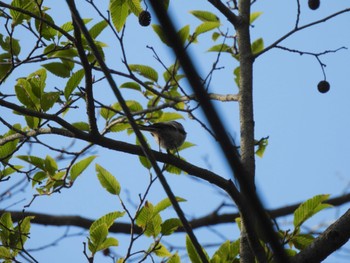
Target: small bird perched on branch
{"type": "Point", "coordinates": [169, 135]}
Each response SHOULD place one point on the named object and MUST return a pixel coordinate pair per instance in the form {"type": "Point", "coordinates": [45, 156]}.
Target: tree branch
{"type": "Point", "coordinates": [211, 219]}
{"type": "Point", "coordinates": [296, 29]}
{"type": "Point", "coordinates": [335, 236]}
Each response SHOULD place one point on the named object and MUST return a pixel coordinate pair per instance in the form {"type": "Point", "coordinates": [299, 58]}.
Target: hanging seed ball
{"type": "Point", "coordinates": [323, 86]}
{"type": "Point", "coordinates": [144, 18]}
{"type": "Point", "coordinates": [314, 4]}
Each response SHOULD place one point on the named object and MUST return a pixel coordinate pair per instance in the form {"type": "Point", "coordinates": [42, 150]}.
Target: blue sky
{"type": "Point", "coordinates": [308, 131]}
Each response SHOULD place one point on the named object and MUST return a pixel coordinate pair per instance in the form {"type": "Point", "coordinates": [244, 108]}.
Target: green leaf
{"type": "Point", "coordinates": [5, 253]}
{"type": "Point", "coordinates": [32, 122]}
{"type": "Point", "coordinates": [73, 82]}
{"type": "Point", "coordinates": [44, 29]}
{"type": "Point", "coordinates": [170, 116]}
{"type": "Point", "coordinates": [50, 165]}
{"type": "Point", "coordinates": [96, 30]}
{"type": "Point", "coordinates": [109, 242]}
{"type": "Point", "coordinates": [58, 69]}
{"type": "Point", "coordinates": [149, 221]}
{"type": "Point", "coordinates": [309, 208]}
{"type": "Point", "coordinates": [237, 74]}
{"type": "Point", "coordinates": [48, 100]}
{"type": "Point", "coordinates": [257, 46]}
{"type": "Point", "coordinates": [215, 36]}
{"type": "Point", "coordinates": [169, 226]}
{"type": "Point", "coordinates": [205, 16]}
{"type": "Point", "coordinates": [160, 250]}
{"type": "Point", "coordinates": [221, 48]}
{"type": "Point", "coordinates": [145, 71]}
{"type": "Point", "coordinates": [107, 180]}
{"type": "Point", "coordinates": [80, 166]}
{"type": "Point", "coordinates": [165, 203]}
{"type": "Point", "coordinates": [81, 125]}
{"type": "Point", "coordinates": [302, 241]}
{"type": "Point", "coordinates": [160, 32]}
{"type": "Point", "coordinates": [254, 16]}
{"type": "Point", "coordinates": [119, 10]}
{"type": "Point", "coordinates": [118, 127]}
{"type": "Point", "coordinates": [36, 161]}
{"type": "Point", "coordinates": [262, 147]}
{"type": "Point", "coordinates": [107, 113]}
{"type": "Point", "coordinates": [106, 220]}
{"type": "Point", "coordinates": [9, 170]}
{"type": "Point", "coordinates": [25, 95]}
{"type": "Point", "coordinates": [37, 82]}
{"type": "Point", "coordinates": [192, 253]}
{"type": "Point", "coordinates": [183, 34]}
{"type": "Point", "coordinates": [97, 236]}
{"type": "Point", "coordinates": [39, 177]}
{"type": "Point", "coordinates": [227, 252]}
{"type": "Point", "coordinates": [205, 27]}
{"type": "Point", "coordinates": [135, 6]}
{"type": "Point", "coordinates": [131, 85]}
{"type": "Point", "coordinates": [174, 258]}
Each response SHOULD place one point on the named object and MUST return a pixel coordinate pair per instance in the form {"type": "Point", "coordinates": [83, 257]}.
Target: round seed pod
{"type": "Point", "coordinates": [144, 18]}
{"type": "Point", "coordinates": [323, 86]}
{"type": "Point", "coordinates": [314, 4]}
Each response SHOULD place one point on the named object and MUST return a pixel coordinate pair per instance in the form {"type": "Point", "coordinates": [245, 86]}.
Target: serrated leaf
{"type": "Point", "coordinates": [135, 6]}
{"type": "Point", "coordinates": [107, 220]}
{"type": "Point", "coordinates": [309, 208]}
{"type": "Point", "coordinates": [160, 250]}
{"type": "Point", "coordinates": [37, 81]}
{"type": "Point", "coordinates": [205, 16]}
{"type": "Point", "coordinates": [205, 27]}
{"type": "Point", "coordinates": [97, 236]}
{"type": "Point", "coordinates": [145, 71]}
{"type": "Point", "coordinates": [119, 10]}
{"type": "Point", "coordinates": [160, 32]}
{"type": "Point", "coordinates": [254, 16]}
{"type": "Point", "coordinates": [58, 69]}
{"type": "Point", "coordinates": [169, 226]}
{"type": "Point", "coordinates": [107, 180]}
{"type": "Point", "coordinates": [73, 82]}
{"type": "Point", "coordinates": [131, 85]}
{"type": "Point", "coordinates": [257, 46]}
{"type": "Point", "coordinates": [96, 30]}
{"type": "Point", "coordinates": [80, 166]}
{"type": "Point", "coordinates": [109, 242]}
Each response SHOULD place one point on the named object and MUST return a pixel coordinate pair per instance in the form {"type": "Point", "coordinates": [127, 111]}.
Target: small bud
{"type": "Point", "coordinates": [144, 18]}
{"type": "Point", "coordinates": [323, 86]}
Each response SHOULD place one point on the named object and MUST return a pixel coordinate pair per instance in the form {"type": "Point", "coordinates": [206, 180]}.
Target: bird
{"type": "Point", "coordinates": [168, 135]}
